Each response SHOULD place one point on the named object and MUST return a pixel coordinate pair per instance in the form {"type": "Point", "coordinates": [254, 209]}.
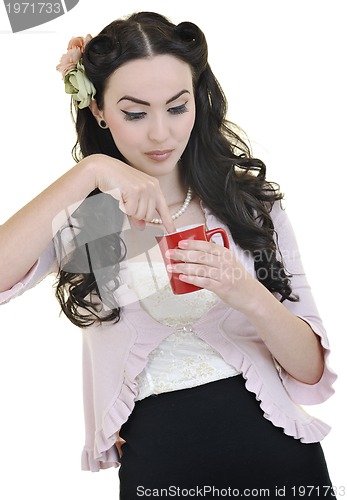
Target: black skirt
{"type": "Point", "coordinates": [213, 441]}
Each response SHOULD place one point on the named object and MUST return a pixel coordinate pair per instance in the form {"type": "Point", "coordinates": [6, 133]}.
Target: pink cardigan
{"type": "Point", "coordinates": [113, 355]}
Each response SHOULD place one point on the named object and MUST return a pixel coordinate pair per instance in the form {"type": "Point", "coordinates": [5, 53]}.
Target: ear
{"type": "Point", "coordinates": [96, 111]}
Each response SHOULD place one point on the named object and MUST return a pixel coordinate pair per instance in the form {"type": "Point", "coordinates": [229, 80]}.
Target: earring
{"type": "Point", "coordinates": [103, 124]}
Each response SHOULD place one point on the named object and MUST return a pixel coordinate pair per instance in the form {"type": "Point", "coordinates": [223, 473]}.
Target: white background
{"type": "Point", "coordinates": [282, 65]}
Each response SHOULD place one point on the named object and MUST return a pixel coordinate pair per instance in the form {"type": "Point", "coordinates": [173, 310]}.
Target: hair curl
{"type": "Point", "coordinates": [216, 155]}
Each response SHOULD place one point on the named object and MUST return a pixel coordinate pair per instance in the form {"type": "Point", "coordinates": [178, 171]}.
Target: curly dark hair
{"type": "Point", "coordinates": [217, 155]}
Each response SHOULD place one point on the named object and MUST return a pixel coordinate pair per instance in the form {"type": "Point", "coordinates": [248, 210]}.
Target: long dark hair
{"type": "Point", "coordinates": [217, 155]}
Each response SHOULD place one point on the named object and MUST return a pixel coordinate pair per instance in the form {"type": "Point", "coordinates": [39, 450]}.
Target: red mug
{"type": "Point", "coordinates": [170, 241]}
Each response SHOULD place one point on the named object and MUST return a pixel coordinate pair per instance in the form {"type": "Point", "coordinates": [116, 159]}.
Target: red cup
{"type": "Point", "coordinates": [170, 241]}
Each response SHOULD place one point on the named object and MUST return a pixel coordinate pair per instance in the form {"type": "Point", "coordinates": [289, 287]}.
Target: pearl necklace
{"type": "Point", "coordinates": [180, 211]}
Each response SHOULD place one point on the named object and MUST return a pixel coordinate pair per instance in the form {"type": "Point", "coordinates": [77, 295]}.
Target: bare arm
{"type": "Point", "coordinates": [291, 340]}
{"type": "Point", "coordinates": [26, 234]}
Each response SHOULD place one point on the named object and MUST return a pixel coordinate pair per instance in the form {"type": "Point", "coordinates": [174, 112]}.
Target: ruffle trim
{"type": "Point", "coordinates": [311, 430]}
{"type": "Point", "coordinates": [300, 425]}
{"type": "Point", "coordinates": [316, 393]}
{"type": "Point", "coordinates": [105, 454]}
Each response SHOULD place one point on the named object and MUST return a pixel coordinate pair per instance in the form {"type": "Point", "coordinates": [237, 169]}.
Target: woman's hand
{"type": "Point", "coordinates": [139, 194]}
{"type": "Point", "coordinates": [214, 267]}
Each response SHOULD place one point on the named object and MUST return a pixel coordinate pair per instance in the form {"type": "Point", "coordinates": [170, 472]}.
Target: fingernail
{"type": "Point", "coordinates": [183, 243]}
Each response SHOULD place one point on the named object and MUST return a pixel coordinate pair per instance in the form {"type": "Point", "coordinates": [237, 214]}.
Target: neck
{"type": "Point", "coordinates": [172, 187]}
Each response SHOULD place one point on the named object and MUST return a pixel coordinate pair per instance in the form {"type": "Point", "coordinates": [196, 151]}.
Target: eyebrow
{"type": "Point", "coordinates": [146, 103]}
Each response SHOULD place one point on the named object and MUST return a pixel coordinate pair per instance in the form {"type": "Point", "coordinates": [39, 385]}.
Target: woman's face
{"type": "Point", "coordinates": [149, 108]}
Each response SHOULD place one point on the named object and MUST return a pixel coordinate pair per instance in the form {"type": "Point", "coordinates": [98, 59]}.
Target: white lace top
{"type": "Point", "coordinates": [182, 360]}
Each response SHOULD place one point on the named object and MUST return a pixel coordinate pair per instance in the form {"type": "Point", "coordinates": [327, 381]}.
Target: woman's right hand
{"type": "Point", "coordinates": [139, 194]}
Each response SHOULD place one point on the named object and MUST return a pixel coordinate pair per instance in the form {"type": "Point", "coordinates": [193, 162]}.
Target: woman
{"type": "Point", "coordinates": [189, 392]}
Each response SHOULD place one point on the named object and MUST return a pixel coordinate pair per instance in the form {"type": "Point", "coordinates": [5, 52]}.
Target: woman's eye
{"type": "Point", "coordinates": [177, 110]}
{"type": "Point", "coordinates": [133, 116]}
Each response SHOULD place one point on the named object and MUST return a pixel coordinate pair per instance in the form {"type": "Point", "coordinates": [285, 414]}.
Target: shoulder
{"type": "Point", "coordinates": [280, 218]}
{"type": "Point", "coordinates": [277, 212]}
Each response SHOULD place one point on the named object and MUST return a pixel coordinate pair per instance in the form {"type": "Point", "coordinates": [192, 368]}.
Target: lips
{"type": "Point", "coordinates": [159, 154]}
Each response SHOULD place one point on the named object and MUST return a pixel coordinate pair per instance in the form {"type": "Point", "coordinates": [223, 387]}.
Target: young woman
{"type": "Point", "coordinates": [201, 391]}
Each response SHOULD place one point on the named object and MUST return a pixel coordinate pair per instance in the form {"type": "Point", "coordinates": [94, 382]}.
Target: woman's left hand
{"type": "Point", "coordinates": [214, 267]}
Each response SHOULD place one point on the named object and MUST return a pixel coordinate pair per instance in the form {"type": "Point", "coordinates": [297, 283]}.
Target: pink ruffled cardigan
{"type": "Point", "coordinates": [113, 355]}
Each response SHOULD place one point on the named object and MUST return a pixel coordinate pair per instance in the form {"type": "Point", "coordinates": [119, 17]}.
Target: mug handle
{"type": "Point", "coordinates": [220, 231]}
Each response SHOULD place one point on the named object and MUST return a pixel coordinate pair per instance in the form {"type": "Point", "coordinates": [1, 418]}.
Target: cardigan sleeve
{"type": "Point", "coordinates": [45, 265]}
{"type": "Point", "coordinates": [305, 309]}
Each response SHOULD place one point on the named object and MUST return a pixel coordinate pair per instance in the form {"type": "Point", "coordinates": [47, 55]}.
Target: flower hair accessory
{"type": "Point", "coordinates": [71, 67]}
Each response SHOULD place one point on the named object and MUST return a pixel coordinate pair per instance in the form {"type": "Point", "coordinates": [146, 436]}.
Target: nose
{"type": "Point", "coordinates": [158, 128]}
